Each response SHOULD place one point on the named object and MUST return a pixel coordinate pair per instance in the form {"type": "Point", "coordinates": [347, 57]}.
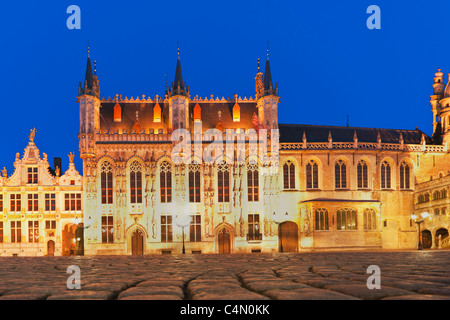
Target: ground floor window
{"type": "Point", "coordinates": [346, 219]}
{"type": "Point", "coordinates": [107, 229]}
{"type": "Point", "coordinates": [321, 217]}
{"type": "Point", "coordinates": [195, 228]}
{"type": "Point", "coordinates": [16, 231]}
{"type": "Point", "coordinates": [370, 219]}
{"type": "Point", "coordinates": [33, 231]}
{"type": "Point", "coordinates": [254, 232]}
{"type": "Point", "coordinates": [166, 228]}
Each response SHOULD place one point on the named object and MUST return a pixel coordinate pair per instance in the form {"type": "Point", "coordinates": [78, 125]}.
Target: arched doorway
{"type": "Point", "coordinates": [288, 237]}
{"type": "Point", "coordinates": [441, 233]}
{"type": "Point", "coordinates": [69, 244]}
{"type": "Point", "coordinates": [224, 240]}
{"type": "Point", "coordinates": [50, 248]}
{"type": "Point", "coordinates": [137, 242]}
{"type": "Point", "coordinates": [426, 239]}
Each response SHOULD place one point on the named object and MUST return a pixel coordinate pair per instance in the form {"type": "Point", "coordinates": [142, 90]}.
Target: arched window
{"type": "Point", "coordinates": [346, 219]}
{"type": "Point", "coordinates": [289, 175]}
{"type": "Point", "coordinates": [404, 176]}
{"type": "Point", "coordinates": [385, 175]}
{"type": "Point", "coordinates": [321, 217]}
{"type": "Point", "coordinates": [312, 175]}
{"type": "Point", "coordinates": [165, 182]}
{"type": "Point", "coordinates": [106, 177]}
{"type": "Point", "coordinates": [136, 182]}
{"type": "Point", "coordinates": [370, 219]}
{"type": "Point", "coordinates": [223, 182]}
{"type": "Point", "coordinates": [340, 174]}
{"type": "Point", "coordinates": [363, 181]}
{"type": "Point", "coordinates": [253, 182]}
{"type": "Point", "coordinates": [194, 182]}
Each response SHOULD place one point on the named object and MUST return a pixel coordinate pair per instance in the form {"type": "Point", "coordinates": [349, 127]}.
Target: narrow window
{"type": "Point", "coordinates": [106, 183]}
{"type": "Point", "coordinates": [107, 229]}
{"type": "Point", "coordinates": [166, 228]}
{"type": "Point", "coordinates": [195, 228]}
{"type": "Point", "coordinates": [253, 182]}
{"type": "Point", "coordinates": [136, 182]}
{"type": "Point", "coordinates": [321, 217]}
{"type": "Point", "coordinates": [166, 182]}
{"type": "Point", "coordinates": [223, 182]}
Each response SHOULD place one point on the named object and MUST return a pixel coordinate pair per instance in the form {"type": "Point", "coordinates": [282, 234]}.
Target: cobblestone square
{"type": "Point", "coordinates": [280, 276]}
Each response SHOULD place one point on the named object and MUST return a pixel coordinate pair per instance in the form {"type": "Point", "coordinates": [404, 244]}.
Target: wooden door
{"type": "Point", "coordinates": [137, 243]}
{"type": "Point", "coordinates": [426, 239]}
{"type": "Point", "coordinates": [51, 248]}
{"type": "Point", "coordinates": [288, 237]}
{"type": "Point", "coordinates": [224, 240]}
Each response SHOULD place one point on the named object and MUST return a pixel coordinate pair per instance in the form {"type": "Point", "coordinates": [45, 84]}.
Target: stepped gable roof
{"type": "Point", "coordinates": [318, 133]}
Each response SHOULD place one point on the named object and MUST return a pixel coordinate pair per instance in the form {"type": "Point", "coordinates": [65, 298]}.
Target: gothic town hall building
{"type": "Point", "coordinates": [335, 188]}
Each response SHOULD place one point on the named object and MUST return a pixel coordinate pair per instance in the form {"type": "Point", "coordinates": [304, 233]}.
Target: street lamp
{"type": "Point", "coordinates": [278, 219]}
{"type": "Point", "coordinates": [183, 222]}
{"type": "Point", "coordinates": [424, 215]}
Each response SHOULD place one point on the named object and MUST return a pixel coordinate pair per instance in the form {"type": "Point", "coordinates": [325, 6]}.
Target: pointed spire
{"type": "Point", "coordinates": [268, 84]}
{"type": "Point", "coordinates": [178, 86]}
{"type": "Point", "coordinates": [91, 86]}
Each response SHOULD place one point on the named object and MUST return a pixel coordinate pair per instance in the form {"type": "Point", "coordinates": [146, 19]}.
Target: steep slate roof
{"type": "Point", "coordinates": [317, 133]}
{"type": "Point", "coordinates": [209, 115]}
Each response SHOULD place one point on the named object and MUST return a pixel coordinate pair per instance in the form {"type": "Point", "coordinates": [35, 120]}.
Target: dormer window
{"type": "Point", "coordinates": [236, 113]}
{"type": "Point", "coordinates": [197, 113]}
{"type": "Point", "coordinates": [33, 175]}
{"type": "Point", "coordinates": [157, 113]}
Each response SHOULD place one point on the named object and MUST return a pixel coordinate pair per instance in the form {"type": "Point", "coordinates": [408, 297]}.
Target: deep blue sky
{"type": "Point", "coordinates": [325, 60]}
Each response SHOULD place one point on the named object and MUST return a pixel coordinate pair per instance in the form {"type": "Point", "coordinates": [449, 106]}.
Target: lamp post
{"type": "Point", "coordinates": [424, 215]}
{"type": "Point", "coordinates": [183, 222]}
{"type": "Point", "coordinates": [279, 220]}
{"type": "Point", "coordinates": [79, 233]}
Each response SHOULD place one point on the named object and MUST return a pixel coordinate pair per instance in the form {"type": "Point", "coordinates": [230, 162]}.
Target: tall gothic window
{"type": "Point", "coordinates": [16, 231]}
{"type": "Point", "coordinates": [194, 182]}
{"type": "Point", "coordinates": [166, 182]}
{"type": "Point", "coordinates": [136, 182]}
{"type": "Point", "coordinates": [321, 216]}
{"type": "Point", "coordinates": [312, 175]}
{"type": "Point", "coordinates": [363, 181]}
{"type": "Point", "coordinates": [223, 182]}
{"type": "Point", "coordinates": [289, 175]}
{"type": "Point", "coordinates": [106, 182]}
{"type": "Point", "coordinates": [385, 175]}
{"type": "Point", "coordinates": [346, 219]}
{"type": "Point", "coordinates": [340, 174]}
{"type": "Point", "coordinates": [253, 182]}
{"type": "Point", "coordinates": [370, 219]}
{"type": "Point", "coordinates": [404, 176]}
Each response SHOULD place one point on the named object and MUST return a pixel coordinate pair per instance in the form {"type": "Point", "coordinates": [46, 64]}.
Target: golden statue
{"type": "Point", "coordinates": [32, 134]}
{"type": "Point", "coordinates": [4, 172]}
{"type": "Point", "coordinates": [71, 157]}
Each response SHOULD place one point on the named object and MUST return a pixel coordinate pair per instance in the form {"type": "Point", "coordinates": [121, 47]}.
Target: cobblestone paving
{"type": "Point", "coordinates": [288, 276]}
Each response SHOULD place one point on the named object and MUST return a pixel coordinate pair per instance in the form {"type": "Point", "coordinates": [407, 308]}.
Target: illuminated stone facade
{"type": "Point", "coordinates": [39, 206]}
{"type": "Point", "coordinates": [336, 187]}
